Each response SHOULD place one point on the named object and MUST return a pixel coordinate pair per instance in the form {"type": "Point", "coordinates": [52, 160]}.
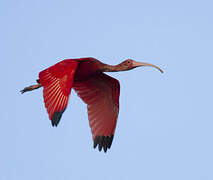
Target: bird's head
{"type": "Point", "coordinates": [131, 64]}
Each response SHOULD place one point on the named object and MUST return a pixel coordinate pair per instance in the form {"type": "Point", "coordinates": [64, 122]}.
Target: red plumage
{"type": "Point", "coordinates": [99, 91]}
{"type": "Point", "coordinates": [57, 81]}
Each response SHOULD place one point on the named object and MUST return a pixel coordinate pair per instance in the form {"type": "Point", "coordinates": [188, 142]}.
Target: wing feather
{"type": "Point", "coordinates": [101, 94]}
{"type": "Point", "coordinates": [57, 81]}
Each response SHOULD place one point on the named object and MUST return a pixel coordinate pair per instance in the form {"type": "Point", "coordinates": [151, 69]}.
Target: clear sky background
{"type": "Point", "coordinates": [165, 124]}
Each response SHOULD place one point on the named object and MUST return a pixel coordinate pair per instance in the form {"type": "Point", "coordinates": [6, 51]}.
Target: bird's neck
{"type": "Point", "coordinates": [111, 68]}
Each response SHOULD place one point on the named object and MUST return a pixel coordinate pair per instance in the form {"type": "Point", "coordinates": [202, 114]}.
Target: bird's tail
{"type": "Point", "coordinates": [30, 88]}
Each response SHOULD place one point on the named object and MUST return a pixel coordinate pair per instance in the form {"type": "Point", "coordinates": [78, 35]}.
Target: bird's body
{"type": "Point", "coordinates": [99, 91]}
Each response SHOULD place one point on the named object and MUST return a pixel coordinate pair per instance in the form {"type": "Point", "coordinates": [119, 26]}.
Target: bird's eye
{"type": "Point", "coordinates": [128, 62]}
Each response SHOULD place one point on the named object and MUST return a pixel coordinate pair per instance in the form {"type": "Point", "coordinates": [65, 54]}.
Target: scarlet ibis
{"type": "Point", "coordinates": [99, 91]}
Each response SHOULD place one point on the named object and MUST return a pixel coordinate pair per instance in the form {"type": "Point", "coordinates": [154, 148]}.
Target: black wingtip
{"type": "Point", "coordinates": [56, 118]}
{"type": "Point", "coordinates": [103, 142]}
{"type": "Point", "coordinates": [54, 123]}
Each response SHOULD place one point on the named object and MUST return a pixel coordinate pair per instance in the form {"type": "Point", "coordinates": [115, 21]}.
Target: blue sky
{"type": "Point", "coordinates": [164, 128]}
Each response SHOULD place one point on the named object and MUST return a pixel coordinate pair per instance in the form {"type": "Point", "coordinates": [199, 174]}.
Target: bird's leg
{"type": "Point", "coordinates": [30, 88]}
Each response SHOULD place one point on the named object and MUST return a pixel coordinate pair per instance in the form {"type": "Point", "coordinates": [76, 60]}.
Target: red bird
{"type": "Point", "coordinates": [99, 91]}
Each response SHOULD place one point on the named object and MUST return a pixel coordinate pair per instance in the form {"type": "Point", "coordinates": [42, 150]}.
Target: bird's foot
{"type": "Point", "coordinates": [30, 88]}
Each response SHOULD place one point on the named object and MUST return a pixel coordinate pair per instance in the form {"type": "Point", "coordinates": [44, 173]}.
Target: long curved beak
{"type": "Point", "coordinates": [138, 64]}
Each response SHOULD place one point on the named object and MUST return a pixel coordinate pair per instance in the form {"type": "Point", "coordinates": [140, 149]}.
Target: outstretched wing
{"type": "Point", "coordinates": [57, 81]}
{"type": "Point", "coordinates": [101, 94]}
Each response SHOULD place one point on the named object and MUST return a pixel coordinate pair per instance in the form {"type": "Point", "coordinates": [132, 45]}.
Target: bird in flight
{"type": "Point", "coordinates": [98, 90]}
